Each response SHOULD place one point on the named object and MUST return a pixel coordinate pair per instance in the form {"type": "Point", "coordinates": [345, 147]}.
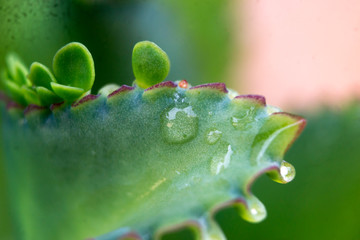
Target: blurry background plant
{"type": "Point", "coordinates": [299, 54]}
{"type": "Point", "coordinates": [196, 34]}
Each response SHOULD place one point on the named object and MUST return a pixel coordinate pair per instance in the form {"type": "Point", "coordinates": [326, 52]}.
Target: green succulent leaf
{"type": "Point", "coordinates": [150, 64]}
{"type": "Point", "coordinates": [30, 95]}
{"type": "Point", "coordinates": [47, 97]}
{"type": "Point", "coordinates": [15, 92]}
{"type": "Point", "coordinates": [108, 89]}
{"type": "Point", "coordinates": [124, 158]}
{"type": "Point", "coordinates": [3, 77]}
{"type": "Point", "coordinates": [327, 165]}
{"type": "Point", "coordinates": [17, 70]}
{"type": "Point", "coordinates": [276, 135]}
{"type": "Point", "coordinates": [73, 66]}
{"type": "Point", "coordinates": [41, 76]}
{"type": "Point", "coordinates": [67, 93]}
{"type": "Point", "coordinates": [124, 161]}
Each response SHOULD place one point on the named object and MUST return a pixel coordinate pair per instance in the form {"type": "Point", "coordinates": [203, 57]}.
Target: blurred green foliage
{"type": "Point", "coordinates": [196, 34]}
{"type": "Point", "coordinates": [323, 200]}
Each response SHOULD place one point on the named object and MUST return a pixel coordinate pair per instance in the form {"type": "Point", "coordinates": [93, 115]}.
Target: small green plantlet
{"type": "Point", "coordinates": [150, 64]}
{"type": "Point", "coordinates": [108, 89]}
{"type": "Point", "coordinates": [155, 160]}
{"type": "Point", "coordinates": [47, 97]}
{"type": "Point", "coordinates": [74, 70]}
{"type": "Point", "coordinates": [41, 78]}
{"type": "Point", "coordinates": [40, 75]}
{"type": "Point", "coordinates": [74, 76]}
{"type": "Point", "coordinates": [14, 91]}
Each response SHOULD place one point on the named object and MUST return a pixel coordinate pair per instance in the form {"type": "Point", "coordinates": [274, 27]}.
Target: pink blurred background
{"type": "Point", "coordinates": [299, 54]}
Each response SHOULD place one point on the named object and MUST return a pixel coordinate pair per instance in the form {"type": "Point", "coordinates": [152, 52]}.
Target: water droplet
{"type": "Point", "coordinates": [287, 171]}
{"type": "Point", "coordinates": [255, 211]}
{"type": "Point", "coordinates": [213, 136]}
{"type": "Point", "coordinates": [241, 120]}
{"type": "Point", "coordinates": [179, 125]}
{"type": "Point", "coordinates": [221, 160]}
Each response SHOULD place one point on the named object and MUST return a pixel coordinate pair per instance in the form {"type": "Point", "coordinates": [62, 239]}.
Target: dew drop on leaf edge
{"type": "Point", "coordinates": [287, 171]}
{"type": "Point", "coordinates": [255, 211]}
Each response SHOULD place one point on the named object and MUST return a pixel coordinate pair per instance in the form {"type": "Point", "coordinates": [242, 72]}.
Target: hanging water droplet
{"type": "Point", "coordinates": [241, 120]}
{"type": "Point", "coordinates": [287, 171]}
{"type": "Point", "coordinates": [213, 136]}
{"type": "Point", "coordinates": [285, 174]}
{"type": "Point", "coordinates": [179, 125]}
{"type": "Point", "coordinates": [221, 160]}
{"type": "Point", "coordinates": [255, 211]}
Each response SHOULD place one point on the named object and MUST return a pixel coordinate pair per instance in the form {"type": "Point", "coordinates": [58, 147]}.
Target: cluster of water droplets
{"type": "Point", "coordinates": [180, 125]}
